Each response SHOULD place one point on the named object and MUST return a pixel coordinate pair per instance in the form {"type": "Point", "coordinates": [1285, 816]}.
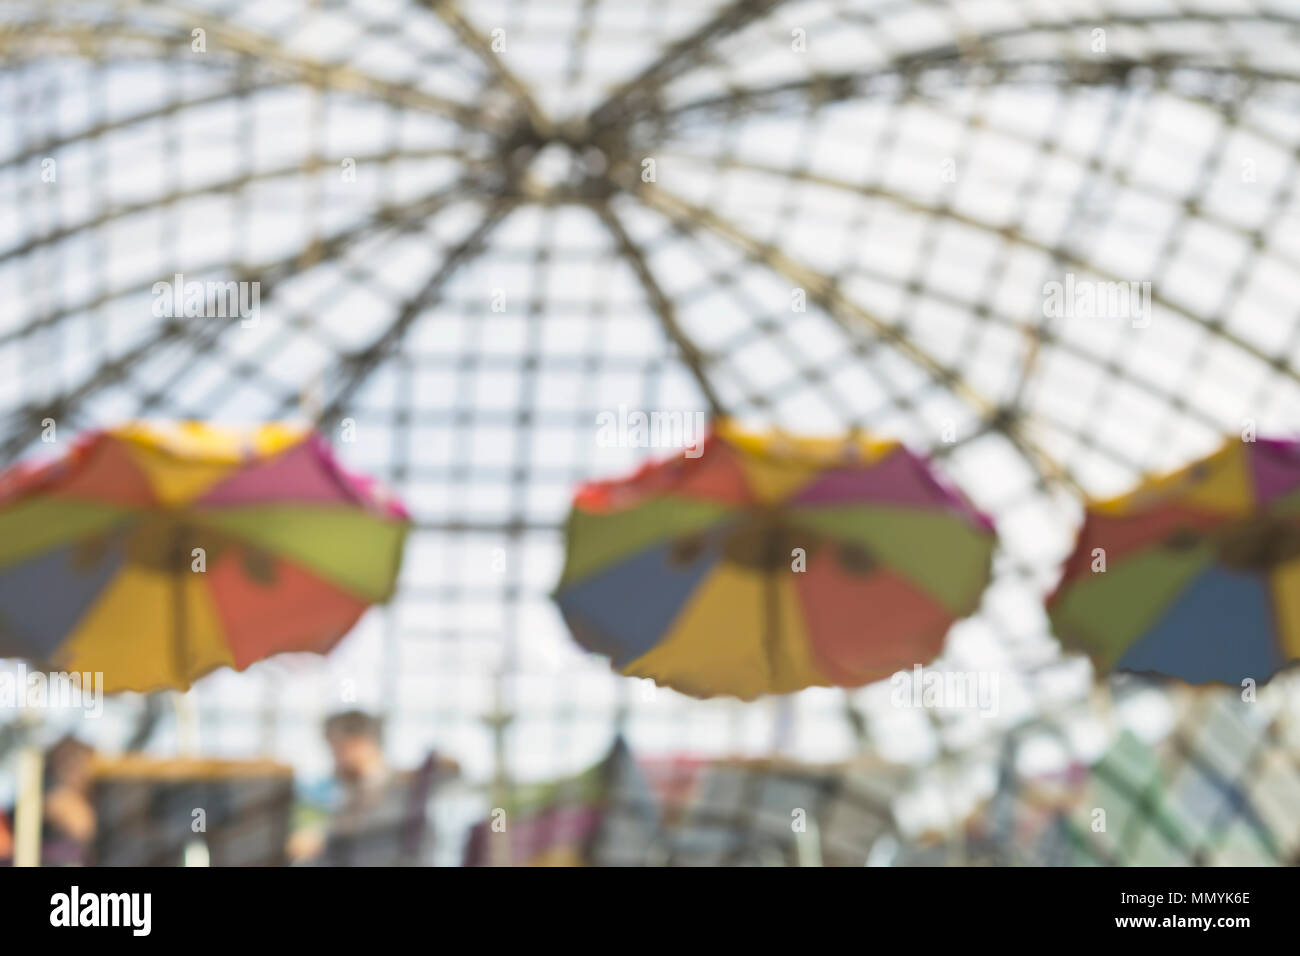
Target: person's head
{"type": "Point", "coordinates": [67, 764]}
{"type": "Point", "coordinates": [355, 739]}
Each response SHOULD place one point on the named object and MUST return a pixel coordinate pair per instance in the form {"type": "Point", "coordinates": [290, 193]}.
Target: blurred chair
{"type": "Point", "coordinates": [1219, 789]}
{"type": "Point", "coordinates": [153, 812]}
{"type": "Point", "coordinates": [782, 813]}
{"type": "Point", "coordinates": [606, 816]}
{"type": "Point", "coordinates": [393, 826]}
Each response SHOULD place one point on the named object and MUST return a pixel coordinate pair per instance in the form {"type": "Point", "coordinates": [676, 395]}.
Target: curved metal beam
{"type": "Point", "coordinates": [688, 49]}
{"type": "Point", "coordinates": [90, 40]}
{"type": "Point", "coordinates": [825, 291]}
{"type": "Point", "coordinates": [661, 305]}
{"type": "Point", "coordinates": [1010, 234]}
{"type": "Point", "coordinates": [307, 165]}
{"type": "Point", "coordinates": [273, 273]}
{"type": "Point", "coordinates": [449, 11]}
{"type": "Point", "coordinates": [357, 367]}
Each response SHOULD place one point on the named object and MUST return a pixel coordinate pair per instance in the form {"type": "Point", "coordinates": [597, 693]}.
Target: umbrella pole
{"type": "Point", "coordinates": [499, 844]}
{"type": "Point", "coordinates": [187, 714]}
{"type": "Point", "coordinates": [808, 845]}
{"type": "Point", "coordinates": [187, 723]}
{"type": "Point", "coordinates": [180, 660]}
{"type": "Point", "coordinates": [783, 725]}
{"type": "Point", "coordinates": [196, 852]}
{"type": "Point", "coordinates": [310, 402]}
{"type": "Point", "coordinates": [28, 808]}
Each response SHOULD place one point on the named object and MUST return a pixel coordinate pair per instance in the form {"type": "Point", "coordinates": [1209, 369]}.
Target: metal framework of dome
{"type": "Point", "coordinates": [475, 226]}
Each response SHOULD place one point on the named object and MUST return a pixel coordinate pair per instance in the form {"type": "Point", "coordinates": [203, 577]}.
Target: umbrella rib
{"type": "Point", "coordinates": [662, 306]}
{"type": "Point", "coordinates": [824, 290]}
{"type": "Point", "coordinates": [357, 367]}
{"type": "Point", "coordinates": [735, 16]}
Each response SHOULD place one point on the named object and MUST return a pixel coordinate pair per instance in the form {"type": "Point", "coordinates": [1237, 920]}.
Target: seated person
{"type": "Point", "coordinates": [379, 816]}
{"type": "Point", "coordinates": [68, 817]}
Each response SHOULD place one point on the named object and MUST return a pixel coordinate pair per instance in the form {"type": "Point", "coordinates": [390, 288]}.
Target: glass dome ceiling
{"type": "Point", "coordinates": [475, 228]}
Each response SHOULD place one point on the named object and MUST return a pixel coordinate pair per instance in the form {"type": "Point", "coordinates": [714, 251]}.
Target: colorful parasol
{"type": "Point", "coordinates": [762, 563]}
{"type": "Point", "coordinates": [1195, 575]}
{"type": "Point", "coordinates": [155, 554]}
